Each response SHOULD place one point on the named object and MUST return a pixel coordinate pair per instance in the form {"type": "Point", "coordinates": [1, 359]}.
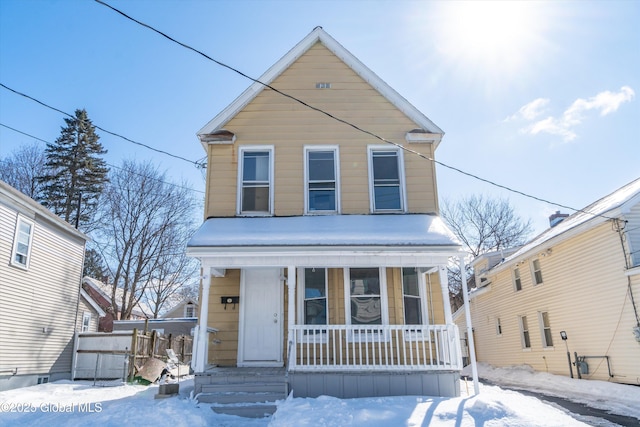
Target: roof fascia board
{"type": "Point", "coordinates": [318, 34]}
{"type": "Point", "coordinates": [92, 303]}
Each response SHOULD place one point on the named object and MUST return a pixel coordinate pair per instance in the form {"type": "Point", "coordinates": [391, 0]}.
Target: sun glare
{"type": "Point", "coordinates": [489, 34]}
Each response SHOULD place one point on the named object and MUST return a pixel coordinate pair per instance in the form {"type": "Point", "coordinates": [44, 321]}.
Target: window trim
{"type": "Point", "coordinates": [254, 148]}
{"type": "Point", "coordinates": [421, 296]}
{"type": "Point", "coordinates": [543, 337]}
{"type": "Point", "coordinates": [86, 315]}
{"type": "Point", "coordinates": [533, 272]}
{"type": "Point", "coordinates": [321, 338]}
{"type": "Point", "coordinates": [384, 307]}
{"type": "Point", "coordinates": [336, 168]}
{"type": "Point", "coordinates": [516, 277]}
{"type": "Point", "coordinates": [192, 306]}
{"type": "Point", "coordinates": [14, 251]}
{"type": "Point", "coordinates": [401, 177]}
{"type": "Point", "coordinates": [522, 332]}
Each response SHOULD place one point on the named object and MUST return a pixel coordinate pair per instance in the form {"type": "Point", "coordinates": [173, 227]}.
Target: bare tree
{"type": "Point", "coordinates": [22, 169]}
{"type": "Point", "coordinates": [482, 225]}
{"type": "Point", "coordinates": [145, 222]}
{"type": "Point", "coordinates": [173, 281]}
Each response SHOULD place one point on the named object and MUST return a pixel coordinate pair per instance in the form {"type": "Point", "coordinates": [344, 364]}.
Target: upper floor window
{"type": "Point", "coordinates": [412, 297]}
{"type": "Point", "coordinates": [517, 281]}
{"type": "Point", "coordinates": [22, 243]}
{"type": "Point", "coordinates": [537, 272]}
{"type": "Point", "coordinates": [190, 310]}
{"type": "Point", "coordinates": [256, 181]}
{"type": "Point", "coordinates": [321, 180]}
{"type": "Point", "coordinates": [386, 179]}
{"type": "Point", "coordinates": [86, 321]}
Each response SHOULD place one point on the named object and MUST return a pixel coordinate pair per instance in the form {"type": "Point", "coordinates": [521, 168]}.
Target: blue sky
{"type": "Point", "coordinates": [541, 97]}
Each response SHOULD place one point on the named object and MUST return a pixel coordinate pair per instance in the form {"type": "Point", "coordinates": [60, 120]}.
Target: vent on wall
{"type": "Point", "coordinates": [323, 85]}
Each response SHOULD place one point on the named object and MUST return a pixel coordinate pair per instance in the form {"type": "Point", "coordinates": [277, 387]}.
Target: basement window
{"type": "Point", "coordinates": [323, 85]}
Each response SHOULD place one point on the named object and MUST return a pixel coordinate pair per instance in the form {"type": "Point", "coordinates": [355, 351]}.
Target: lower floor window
{"type": "Point", "coordinates": [365, 296]}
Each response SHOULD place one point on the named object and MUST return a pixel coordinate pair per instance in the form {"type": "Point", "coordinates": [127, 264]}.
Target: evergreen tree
{"type": "Point", "coordinates": [76, 173]}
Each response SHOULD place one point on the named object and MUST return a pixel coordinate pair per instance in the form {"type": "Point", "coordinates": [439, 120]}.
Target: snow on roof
{"type": "Point", "coordinates": [328, 230]}
{"type": "Point", "coordinates": [601, 210]}
{"type": "Point", "coordinates": [104, 289]}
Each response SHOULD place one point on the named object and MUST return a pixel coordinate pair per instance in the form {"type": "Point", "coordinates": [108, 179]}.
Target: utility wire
{"type": "Point", "coordinates": [109, 164]}
{"type": "Point", "coordinates": [331, 116]}
{"type": "Point", "coordinates": [198, 165]}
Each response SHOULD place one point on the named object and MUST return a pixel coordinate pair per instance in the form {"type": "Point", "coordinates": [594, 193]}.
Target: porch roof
{"type": "Point", "coordinates": [326, 230]}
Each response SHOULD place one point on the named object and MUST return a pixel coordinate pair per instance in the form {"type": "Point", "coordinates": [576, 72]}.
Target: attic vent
{"type": "Point", "coordinates": [323, 85]}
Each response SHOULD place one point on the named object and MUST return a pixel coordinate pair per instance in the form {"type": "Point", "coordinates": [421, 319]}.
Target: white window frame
{"type": "Point", "coordinates": [254, 148]}
{"type": "Point", "coordinates": [401, 173]}
{"type": "Point", "coordinates": [533, 272]}
{"type": "Point", "coordinates": [517, 277]}
{"type": "Point", "coordinates": [522, 332]}
{"type": "Point", "coordinates": [20, 220]}
{"type": "Point", "coordinates": [384, 307]}
{"type": "Point", "coordinates": [320, 338]}
{"type": "Point", "coordinates": [86, 326]}
{"type": "Point", "coordinates": [336, 166]}
{"type": "Point", "coordinates": [413, 332]}
{"type": "Point", "coordinates": [543, 336]}
{"type": "Point", "coordinates": [186, 307]}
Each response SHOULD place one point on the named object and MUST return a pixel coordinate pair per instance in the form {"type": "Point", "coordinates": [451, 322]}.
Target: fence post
{"type": "Point", "coordinates": [152, 347]}
{"type": "Point", "coordinates": [134, 352]}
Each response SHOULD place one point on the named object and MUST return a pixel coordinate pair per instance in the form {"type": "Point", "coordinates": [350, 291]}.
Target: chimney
{"type": "Point", "coordinates": [557, 218]}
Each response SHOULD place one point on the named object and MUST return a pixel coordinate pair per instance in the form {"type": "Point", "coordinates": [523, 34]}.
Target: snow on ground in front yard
{"type": "Point", "coordinates": [66, 403]}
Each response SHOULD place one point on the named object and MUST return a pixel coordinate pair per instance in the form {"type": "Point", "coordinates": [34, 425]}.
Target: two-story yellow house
{"type": "Point", "coordinates": [322, 249]}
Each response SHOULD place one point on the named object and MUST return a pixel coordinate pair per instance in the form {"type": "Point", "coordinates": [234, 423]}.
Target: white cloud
{"type": "Point", "coordinates": [531, 110]}
{"type": "Point", "coordinates": [605, 103]}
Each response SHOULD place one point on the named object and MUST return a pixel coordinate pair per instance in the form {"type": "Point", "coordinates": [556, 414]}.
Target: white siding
{"type": "Point", "coordinates": [38, 306]}
{"type": "Point", "coordinates": [633, 234]}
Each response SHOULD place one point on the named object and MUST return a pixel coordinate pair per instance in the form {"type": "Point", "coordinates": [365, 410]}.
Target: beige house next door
{"type": "Point", "coordinates": [261, 325]}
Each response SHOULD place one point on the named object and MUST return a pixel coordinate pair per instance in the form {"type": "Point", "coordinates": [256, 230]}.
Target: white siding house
{"type": "Point", "coordinates": [41, 259]}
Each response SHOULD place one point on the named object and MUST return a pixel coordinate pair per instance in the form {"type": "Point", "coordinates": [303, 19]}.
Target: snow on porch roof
{"type": "Point", "coordinates": [326, 230]}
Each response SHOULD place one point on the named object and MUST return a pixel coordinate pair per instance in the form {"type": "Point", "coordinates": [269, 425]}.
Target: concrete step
{"type": "Point", "coordinates": [240, 397]}
{"type": "Point", "coordinates": [232, 379]}
{"type": "Point", "coordinates": [248, 411]}
{"type": "Point", "coordinates": [252, 387]}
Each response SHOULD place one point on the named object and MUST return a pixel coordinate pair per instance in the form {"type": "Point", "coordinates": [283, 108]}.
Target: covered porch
{"type": "Point", "coordinates": [349, 306]}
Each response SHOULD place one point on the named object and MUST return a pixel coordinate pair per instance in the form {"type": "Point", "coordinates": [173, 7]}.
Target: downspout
{"type": "Point", "coordinates": [467, 312]}
{"type": "Point", "coordinates": [620, 229]}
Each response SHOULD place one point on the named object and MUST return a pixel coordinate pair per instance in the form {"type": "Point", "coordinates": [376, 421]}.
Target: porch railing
{"type": "Point", "coordinates": [374, 347]}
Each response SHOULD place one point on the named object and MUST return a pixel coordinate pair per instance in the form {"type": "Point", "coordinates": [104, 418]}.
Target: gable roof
{"type": "Point", "coordinates": [319, 35]}
{"type": "Point", "coordinates": [92, 303]}
{"type": "Point", "coordinates": [613, 205]}
{"type": "Point", "coordinates": [35, 210]}
{"type": "Point", "coordinates": [105, 291]}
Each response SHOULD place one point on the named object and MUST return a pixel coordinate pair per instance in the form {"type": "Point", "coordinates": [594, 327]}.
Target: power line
{"type": "Point", "coordinates": [109, 164]}
{"type": "Point", "coordinates": [198, 165]}
{"type": "Point", "coordinates": [331, 116]}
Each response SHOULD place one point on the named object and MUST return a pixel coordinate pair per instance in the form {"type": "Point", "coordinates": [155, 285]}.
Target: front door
{"type": "Point", "coordinates": [261, 323]}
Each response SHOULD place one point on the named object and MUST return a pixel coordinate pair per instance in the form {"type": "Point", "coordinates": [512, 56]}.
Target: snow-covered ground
{"type": "Point", "coordinates": [66, 403]}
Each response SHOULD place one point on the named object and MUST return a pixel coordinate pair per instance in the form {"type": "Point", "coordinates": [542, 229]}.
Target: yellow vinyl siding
{"type": "Point", "coordinates": [225, 353]}
{"type": "Point", "coordinates": [271, 119]}
{"type": "Point", "coordinates": [585, 294]}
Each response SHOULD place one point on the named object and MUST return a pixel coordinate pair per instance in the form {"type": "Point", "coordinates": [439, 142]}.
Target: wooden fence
{"type": "Point", "coordinates": [119, 355]}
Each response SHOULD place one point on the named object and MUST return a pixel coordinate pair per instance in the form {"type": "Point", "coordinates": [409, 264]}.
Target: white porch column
{"type": "Point", "coordinates": [203, 319]}
{"type": "Point", "coordinates": [444, 285]}
{"type": "Point", "coordinates": [291, 312]}
{"type": "Point", "coordinates": [467, 312]}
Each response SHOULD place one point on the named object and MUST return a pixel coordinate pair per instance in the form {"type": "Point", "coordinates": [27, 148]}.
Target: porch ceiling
{"type": "Point", "coordinates": [328, 240]}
